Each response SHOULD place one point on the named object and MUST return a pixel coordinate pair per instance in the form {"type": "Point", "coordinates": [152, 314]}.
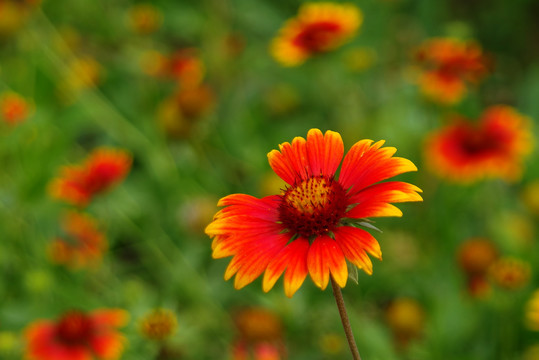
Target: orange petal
{"type": "Point", "coordinates": [354, 242]}
{"type": "Point", "coordinates": [110, 317]}
{"type": "Point", "coordinates": [293, 258]}
{"type": "Point", "coordinates": [326, 256]}
{"type": "Point", "coordinates": [108, 346]}
{"type": "Point", "coordinates": [324, 152]}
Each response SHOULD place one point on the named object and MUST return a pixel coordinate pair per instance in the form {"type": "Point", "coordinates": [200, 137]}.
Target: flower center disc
{"type": "Point", "coordinates": [313, 207]}
{"type": "Point", "coordinates": [74, 328]}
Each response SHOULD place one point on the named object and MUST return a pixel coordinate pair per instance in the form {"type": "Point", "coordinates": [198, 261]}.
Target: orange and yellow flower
{"type": "Point", "coordinates": [532, 312]}
{"type": "Point", "coordinates": [78, 184]}
{"type": "Point", "coordinates": [77, 335]}
{"type": "Point", "coordinates": [184, 66]}
{"type": "Point", "coordinates": [144, 18]}
{"type": "Point", "coordinates": [14, 108]}
{"type": "Point", "coordinates": [492, 148]}
{"type": "Point", "coordinates": [510, 273]}
{"type": "Point", "coordinates": [313, 227]}
{"type": "Point", "coordinates": [83, 244]}
{"type": "Point", "coordinates": [318, 27]}
{"type": "Point", "coordinates": [449, 66]}
{"type": "Point", "coordinates": [159, 324]}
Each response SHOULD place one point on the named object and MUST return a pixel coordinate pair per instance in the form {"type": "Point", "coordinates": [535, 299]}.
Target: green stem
{"type": "Point", "coordinates": [345, 321]}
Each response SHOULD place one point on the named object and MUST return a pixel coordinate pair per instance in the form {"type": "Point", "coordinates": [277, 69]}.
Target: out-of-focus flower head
{"type": "Point", "coordinates": [406, 319]}
{"type": "Point", "coordinates": [77, 335]}
{"type": "Point", "coordinates": [530, 196]}
{"type": "Point", "coordinates": [449, 66]}
{"type": "Point", "coordinates": [494, 147]}
{"type": "Point", "coordinates": [184, 66]}
{"type": "Point", "coordinates": [260, 351]}
{"type": "Point", "coordinates": [82, 243]}
{"type": "Point", "coordinates": [259, 335]}
{"type": "Point", "coordinates": [102, 169]}
{"type": "Point", "coordinates": [510, 273]}
{"type": "Point", "coordinates": [14, 109]}
{"type": "Point", "coordinates": [315, 226]}
{"type": "Point", "coordinates": [318, 27]}
{"type": "Point", "coordinates": [158, 325]}
{"type": "Point", "coordinates": [144, 18]}
{"type": "Point", "coordinates": [13, 15]}
{"type": "Point", "coordinates": [531, 353]}
{"type": "Point", "coordinates": [475, 256]}
{"type": "Point", "coordinates": [179, 113]}
{"type": "Point", "coordinates": [258, 325]}
{"type": "Point", "coordinates": [532, 312]}
{"type": "Point", "coordinates": [81, 73]}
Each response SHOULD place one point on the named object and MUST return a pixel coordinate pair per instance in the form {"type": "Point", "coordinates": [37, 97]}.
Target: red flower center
{"type": "Point", "coordinates": [74, 328]}
{"type": "Point", "coordinates": [480, 143]}
{"type": "Point", "coordinates": [313, 207]}
{"type": "Point", "coordinates": [317, 37]}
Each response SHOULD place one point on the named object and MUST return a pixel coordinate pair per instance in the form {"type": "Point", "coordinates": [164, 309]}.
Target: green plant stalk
{"type": "Point", "coordinates": [345, 321]}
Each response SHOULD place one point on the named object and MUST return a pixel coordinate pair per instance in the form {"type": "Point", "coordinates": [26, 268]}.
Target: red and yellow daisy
{"type": "Point", "coordinates": [493, 148]}
{"type": "Point", "coordinates": [14, 108]}
{"type": "Point", "coordinates": [319, 27]}
{"type": "Point", "coordinates": [77, 336]}
{"type": "Point", "coordinates": [313, 226]}
{"type": "Point", "coordinates": [449, 66]}
{"type": "Point", "coordinates": [82, 245]}
{"type": "Point", "coordinates": [102, 169]}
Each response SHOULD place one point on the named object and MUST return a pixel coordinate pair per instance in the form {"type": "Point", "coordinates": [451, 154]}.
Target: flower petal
{"type": "Point", "coordinates": [354, 242]}
{"type": "Point", "coordinates": [324, 152]}
{"type": "Point", "coordinates": [108, 345]}
{"type": "Point", "coordinates": [319, 154]}
{"type": "Point", "coordinates": [293, 258]}
{"type": "Point", "coordinates": [325, 257]}
{"type": "Point", "coordinates": [254, 258]}
{"type": "Point", "coordinates": [367, 164]}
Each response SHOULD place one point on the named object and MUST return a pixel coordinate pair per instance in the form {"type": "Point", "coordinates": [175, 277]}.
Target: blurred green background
{"type": "Point", "coordinates": [158, 254]}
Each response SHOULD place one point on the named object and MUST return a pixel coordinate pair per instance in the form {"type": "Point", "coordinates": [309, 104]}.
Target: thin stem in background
{"type": "Point", "coordinates": [345, 321]}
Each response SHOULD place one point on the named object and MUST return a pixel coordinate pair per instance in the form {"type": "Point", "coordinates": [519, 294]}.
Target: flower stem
{"type": "Point", "coordinates": [345, 321]}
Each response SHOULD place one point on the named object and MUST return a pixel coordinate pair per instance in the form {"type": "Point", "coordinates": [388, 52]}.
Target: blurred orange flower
{"type": "Point", "coordinates": [492, 148]}
{"type": "Point", "coordinates": [510, 273]}
{"type": "Point", "coordinates": [77, 336]}
{"type": "Point", "coordinates": [532, 312]}
{"type": "Point", "coordinates": [260, 335]}
{"type": "Point", "coordinates": [103, 168]}
{"type": "Point", "coordinates": [406, 319]}
{"type": "Point", "coordinates": [184, 66]}
{"type": "Point", "coordinates": [475, 256]}
{"type": "Point", "coordinates": [144, 18]}
{"type": "Point", "coordinates": [449, 65]}
{"type": "Point", "coordinates": [318, 27]}
{"type": "Point", "coordinates": [82, 244]}
{"type": "Point", "coordinates": [14, 108]}
{"type": "Point", "coordinates": [178, 114]}
{"type": "Point", "coordinates": [159, 324]}
{"type": "Point", "coordinates": [313, 227]}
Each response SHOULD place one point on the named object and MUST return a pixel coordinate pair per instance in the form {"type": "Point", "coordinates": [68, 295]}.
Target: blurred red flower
{"type": "Point", "coordinates": [82, 245]}
{"type": "Point", "coordinates": [102, 169]}
{"type": "Point", "coordinates": [494, 147]}
{"type": "Point", "coordinates": [14, 108]}
{"type": "Point", "coordinates": [77, 336]}
{"type": "Point", "coordinates": [313, 227]}
{"type": "Point", "coordinates": [319, 27]}
{"type": "Point", "coordinates": [449, 65]}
